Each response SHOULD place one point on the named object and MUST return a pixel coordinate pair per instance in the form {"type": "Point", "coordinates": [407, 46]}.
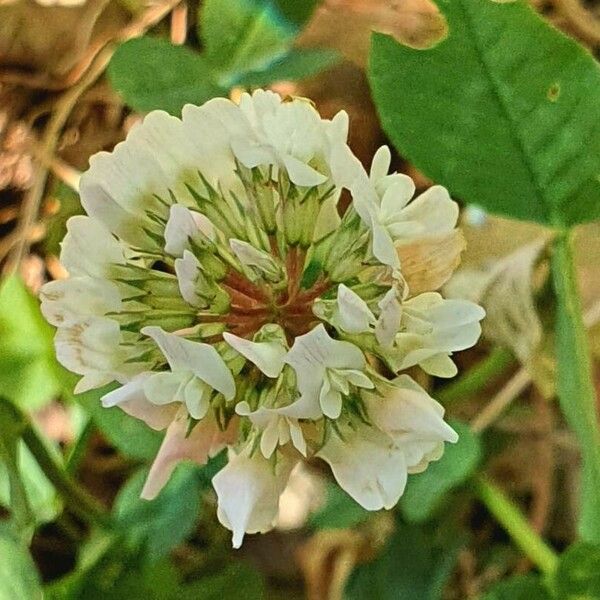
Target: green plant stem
{"type": "Point", "coordinates": [76, 498]}
{"type": "Point", "coordinates": [79, 447]}
{"type": "Point", "coordinates": [516, 525]}
{"type": "Point", "coordinates": [575, 384]}
{"type": "Point", "coordinates": [478, 376]}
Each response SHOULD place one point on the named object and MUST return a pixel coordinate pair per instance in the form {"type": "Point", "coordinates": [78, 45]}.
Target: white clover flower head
{"type": "Point", "coordinates": [216, 280]}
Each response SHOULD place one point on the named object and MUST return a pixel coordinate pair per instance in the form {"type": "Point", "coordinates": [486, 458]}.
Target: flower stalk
{"type": "Point", "coordinates": [575, 385]}
{"type": "Point", "coordinates": [516, 525]}
{"type": "Point", "coordinates": [75, 497]}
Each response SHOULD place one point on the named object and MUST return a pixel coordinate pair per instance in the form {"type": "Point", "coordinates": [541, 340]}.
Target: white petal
{"type": "Point", "coordinates": [434, 209]}
{"type": "Point", "coordinates": [187, 270]}
{"type": "Point", "coordinates": [353, 314]}
{"type": "Point", "coordinates": [196, 398]}
{"type": "Point", "coordinates": [267, 356]}
{"type": "Point", "coordinates": [390, 317]}
{"type": "Point", "coordinates": [89, 249]}
{"type": "Point", "coordinates": [383, 246]}
{"type": "Point", "coordinates": [250, 256]}
{"type": "Point", "coordinates": [131, 399]}
{"type": "Point", "coordinates": [89, 345]}
{"type": "Point", "coordinates": [396, 197]}
{"type": "Point", "coordinates": [310, 355]}
{"type": "Point", "coordinates": [196, 357]}
{"type": "Point", "coordinates": [182, 225]}
{"type": "Point", "coordinates": [68, 300]}
{"type": "Point", "coordinates": [248, 490]}
{"type": "Point", "coordinates": [440, 365]}
{"type": "Point", "coordinates": [330, 400]}
{"type": "Point", "coordinates": [164, 388]}
{"type": "Point", "coordinates": [367, 466]}
{"type": "Point", "coordinates": [380, 164]}
{"type": "Point", "coordinates": [301, 174]}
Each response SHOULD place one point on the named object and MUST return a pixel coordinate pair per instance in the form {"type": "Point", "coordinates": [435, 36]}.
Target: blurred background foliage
{"type": "Point", "coordinates": [484, 97]}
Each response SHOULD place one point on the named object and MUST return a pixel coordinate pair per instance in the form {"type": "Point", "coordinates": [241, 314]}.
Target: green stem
{"type": "Point", "coordinates": [478, 376]}
{"type": "Point", "coordinates": [516, 525]}
{"type": "Point", "coordinates": [79, 447]}
{"type": "Point", "coordinates": [575, 384]}
{"type": "Point", "coordinates": [76, 498]}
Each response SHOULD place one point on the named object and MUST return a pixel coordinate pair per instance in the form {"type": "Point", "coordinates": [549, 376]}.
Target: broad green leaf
{"type": "Point", "coordinates": [297, 64]}
{"type": "Point", "coordinates": [157, 526]}
{"type": "Point", "coordinates": [129, 435]}
{"type": "Point", "coordinates": [29, 372]}
{"type": "Point", "coordinates": [19, 578]}
{"type": "Point", "coordinates": [426, 491]}
{"type": "Point", "coordinates": [339, 511]}
{"type": "Point", "coordinates": [410, 566]}
{"type": "Point", "coordinates": [236, 580]}
{"type": "Point", "coordinates": [504, 112]}
{"type": "Point", "coordinates": [151, 73]}
{"type": "Point", "coordinates": [578, 574]}
{"type": "Point", "coordinates": [521, 587]}
{"type": "Point", "coordinates": [243, 35]}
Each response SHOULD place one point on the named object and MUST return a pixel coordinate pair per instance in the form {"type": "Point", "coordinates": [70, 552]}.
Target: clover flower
{"type": "Point", "coordinates": [215, 280]}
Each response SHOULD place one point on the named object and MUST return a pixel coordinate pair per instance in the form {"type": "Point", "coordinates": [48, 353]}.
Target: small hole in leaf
{"type": "Point", "coordinates": [554, 92]}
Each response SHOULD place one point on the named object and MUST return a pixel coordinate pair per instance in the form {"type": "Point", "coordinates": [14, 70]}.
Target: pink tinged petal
{"type": "Point", "coordinates": [367, 466]}
{"type": "Point", "coordinates": [68, 300]}
{"type": "Point", "coordinates": [248, 490]}
{"type": "Point", "coordinates": [89, 345]}
{"type": "Point", "coordinates": [204, 441]}
{"type": "Point", "coordinates": [131, 399]}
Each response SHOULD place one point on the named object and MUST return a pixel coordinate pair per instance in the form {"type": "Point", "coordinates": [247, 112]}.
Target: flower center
{"type": "Point", "coordinates": [256, 304]}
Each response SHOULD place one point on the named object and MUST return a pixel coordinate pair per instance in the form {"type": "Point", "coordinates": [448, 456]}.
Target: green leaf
{"type": "Point", "coordinates": [498, 112]}
{"type": "Point", "coordinates": [578, 574]}
{"type": "Point", "coordinates": [243, 35]}
{"type": "Point", "coordinates": [157, 526]}
{"type": "Point", "coordinates": [410, 566]}
{"type": "Point", "coordinates": [15, 494]}
{"type": "Point", "coordinates": [151, 73]}
{"type": "Point", "coordinates": [129, 435]}
{"type": "Point", "coordinates": [522, 587]}
{"type": "Point", "coordinates": [40, 494]}
{"type": "Point", "coordinates": [236, 580]}
{"type": "Point", "coordinates": [19, 578]}
{"type": "Point", "coordinates": [339, 511]}
{"type": "Point", "coordinates": [426, 491]}
{"type": "Point", "coordinates": [296, 64]}
{"type": "Point", "coordinates": [29, 372]}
